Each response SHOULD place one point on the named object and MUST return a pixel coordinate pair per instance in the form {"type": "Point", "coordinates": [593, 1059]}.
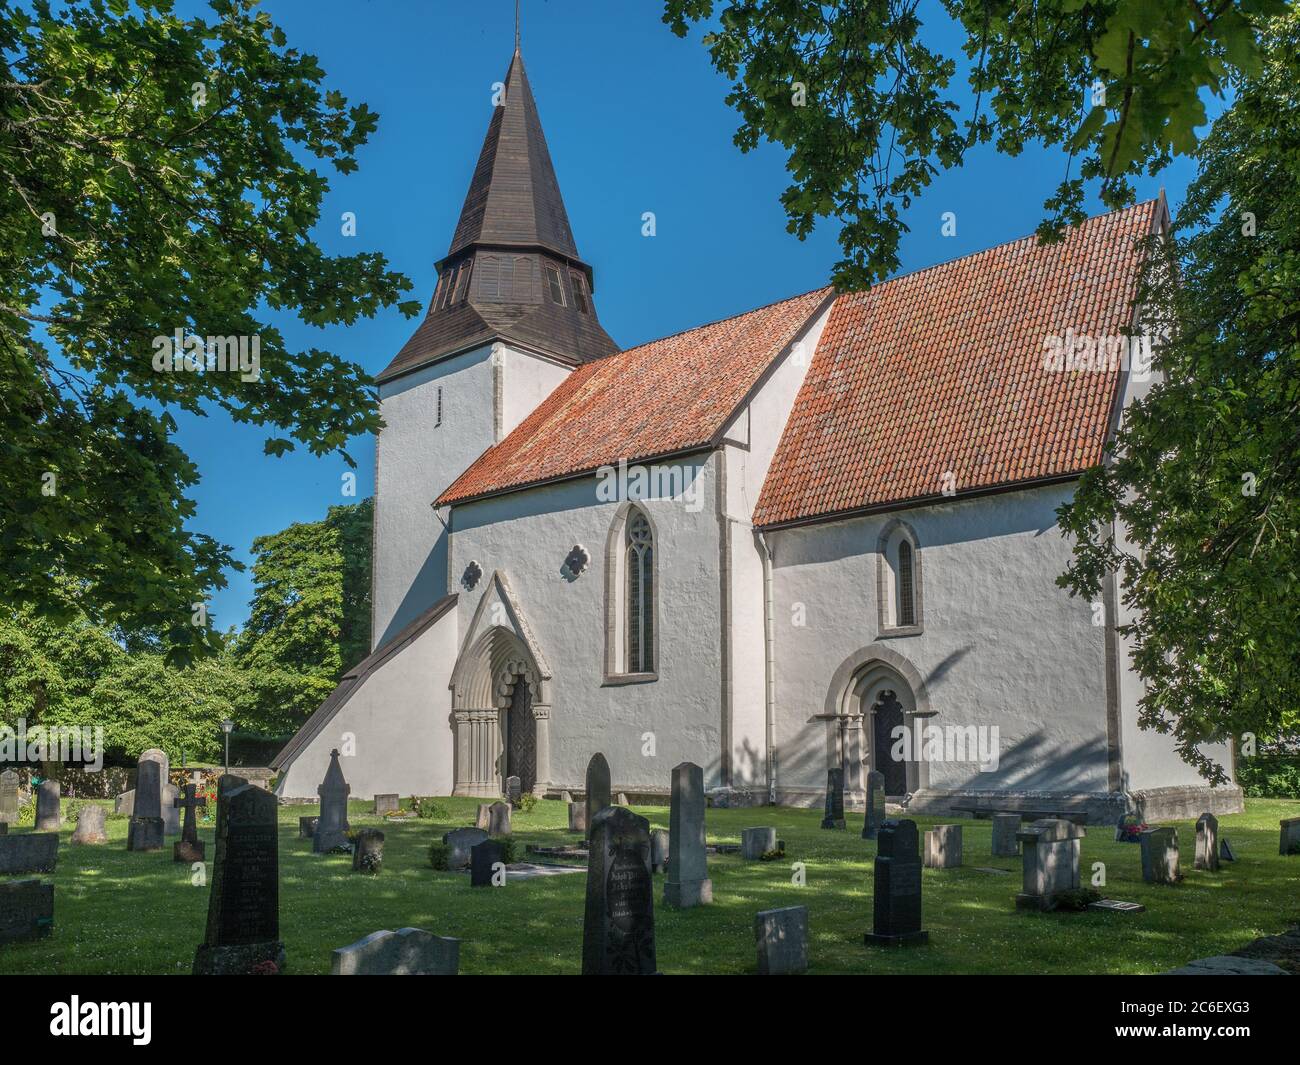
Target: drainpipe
{"type": "Point", "coordinates": [769, 668]}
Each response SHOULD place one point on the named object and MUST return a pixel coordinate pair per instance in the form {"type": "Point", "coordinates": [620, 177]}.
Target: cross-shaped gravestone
{"type": "Point", "coordinates": [189, 848]}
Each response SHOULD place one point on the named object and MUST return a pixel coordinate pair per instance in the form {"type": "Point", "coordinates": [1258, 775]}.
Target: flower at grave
{"type": "Point", "coordinates": [265, 968]}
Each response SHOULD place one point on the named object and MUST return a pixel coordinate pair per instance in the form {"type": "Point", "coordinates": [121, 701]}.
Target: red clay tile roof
{"type": "Point", "coordinates": [668, 396]}
{"type": "Point", "coordinates": [942, 371]}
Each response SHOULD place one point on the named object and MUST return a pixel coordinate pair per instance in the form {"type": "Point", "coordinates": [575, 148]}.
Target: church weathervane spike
{"type": "Point", "coordinates": [516, 25]}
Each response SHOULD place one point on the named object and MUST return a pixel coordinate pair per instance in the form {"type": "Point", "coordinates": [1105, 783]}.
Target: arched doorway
{"type": "Point", "coordinates": [521, 735]}
{"type": "Point", "coordinates": [886, 716]}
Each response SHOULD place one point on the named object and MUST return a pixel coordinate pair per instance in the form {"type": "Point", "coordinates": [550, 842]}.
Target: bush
{"type": "Point", "coordinates": [526, 802]}
{"type": "Point", "coordinates": [438, 855]}
{"type": "Point", "coordinates": [429, 808]}
{"type": "Point", "coordinates": [509, 848]}
{"type": "Point", "coordinates": [1270, 775]}
{"type": "Point", "coordinates": [27, 811]}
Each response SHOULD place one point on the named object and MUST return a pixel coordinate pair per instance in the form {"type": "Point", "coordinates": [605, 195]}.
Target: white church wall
{"type": "Point", "coordinates": [398, 721]}
{"type": "Point", "coordinates": [1001, 644]}
{"type": "Point", "coordinates": [528, 380]}
{"type": "Point", "coordinates": [528, 535]}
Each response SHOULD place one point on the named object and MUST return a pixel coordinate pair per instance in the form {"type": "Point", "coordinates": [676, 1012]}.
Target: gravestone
{"type": "Point", "coordinates": [482, 857]}
{"type": "Point", "coordinates": [1289, 837]}
{"type": "Point", "coordinates": [499, 819]}
{"type": "Point", "coordinates": [26, 910]}
{"type": "Point", "coordinates": [332, 826]}
{"type": "Point", "coordinates": [782, 938]}
{"type": "Point", "coordinates": [189, 848]}
{"type": "Point", "coordinates": [90, 825]}
{"type": "Point", "coordinates": [597, 788]}
{"type": "Point", "coordinates": [1226, 853]}
{"type": "Point", "coordinates": [1005, 829]}
{"type": "Point", "coordinates": [566, 797]}
{"type": "Point", "coordinates": [48, 818]}
{"type": "Point", "coordinates": [31, 852]}
{"type": "Point", "coordinates": [688, 882]}
{"type": "Point", "coordinates": [514, 790]}
{"type": "Point", "coordinates": [406, 952]}
{"type": "Point", "coordinates": [1160, 858]}
{"type": "Point", "coordinates": [896, 905]}
{"type": "Point", "coordinates": [834, 814]}
{"type": "Point", "coordinates": [1050, 862]}
{"type": "Point", "coordinates": [4, 828]}
{"type": "Point", "coordinates": [875, 811]}
{"type": "Point", "coordinates": [460, 843]}
{"type": "Point", "coordinates": [578, 817]}
{"type": "Point", "coordinates": [618, 932]}
{"type": "Point", "coordinates": [243, 932]}
{"type": "Point", "coordinates": [387, 804]}
{"type": "Point", "coordinates": [368, 851]}
{"type": "Point", "coordinates": [1207, 843]}
{"type": "Point", "coordinates": [307, 827]}
{"type": "Point", "coordinates": [125, 803]}
{"type": "Point", "coordinates": [1116, 906]}
{"type": "Point", "coordinates": [659, 850]}
{"type": "Point", "coordinates": [170, 811]}
{"type": "Point", "coordinates": [622, 799]}
{"type": "Point", "coordinates": [483, 817]}
{"type": "Point", "coordinates": [8, 797]}
{"type": "Point", "coordinates": [756, 842]}
{"type": "Point", "coordinates": [943, 847]}
{"type": "Point", "coordinates": [145, 831]}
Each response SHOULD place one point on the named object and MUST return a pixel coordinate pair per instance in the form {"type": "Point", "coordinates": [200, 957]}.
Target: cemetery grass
{"type": "Point", "coordinates": [121, 913]}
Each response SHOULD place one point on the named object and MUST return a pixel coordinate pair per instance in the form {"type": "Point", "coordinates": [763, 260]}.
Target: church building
{"type": "Point", "coordinates": [820, 534]}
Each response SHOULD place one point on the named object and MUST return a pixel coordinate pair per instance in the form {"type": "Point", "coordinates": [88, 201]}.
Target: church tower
{"type": "Point", "coordinates": [512, 313]}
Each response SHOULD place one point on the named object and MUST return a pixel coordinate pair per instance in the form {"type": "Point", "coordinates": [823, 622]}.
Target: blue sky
{"type": "Point", "coordinates": [636, 122]}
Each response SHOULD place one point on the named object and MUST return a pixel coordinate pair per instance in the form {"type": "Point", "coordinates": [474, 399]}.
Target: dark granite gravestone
{"type": "Point", "coordinates": [875, 812]}
{"type": "Point", "coordinates": [896, 911]}
{"type": "Point", "coordinates": [1207, 843]}
{"type": "Point", "coordinates": [26, 910]}
{"type": "Point", "coordinates": [688, 882]}
{"type": "Point", "coordinates": [482, 857]}
{"type": "Point", "coordinates": [387, 804]}
{"type": "Point", "coordinates": [368, 851]}
{"type": "Point", "coordinates": [782, 938]}
{"type": "Point", "coordinates": [1288, 839]}
{"type": "Point", "coordinates": [90, 825]}
{"type": "Point", "coordinates": [1006, 829]}
{"type": "Point", "coordinates": [598, 786]}
{"type": "Point", "coordinates": [332, 828]}
{"type": "Point", "coordinates": [48, 818]}
{"type": "Point", "coordinates": [145, 830]}
{"type": "Point", "coordinates": [307, 827]}
{"type": "Point", "coordinates": [189, 848]}
{"type": "Point", "coordinates": [4, 828]}
{"type": "Point", "coordinates": [31, 852]}
{"type": "Point", "coordinates": [834, 816]}
{"type": "Point", "coordinates": [659, 843]}
{"type": "Point", "coordinates": [243, 933]}
{"type": "Point", "coordinates": [514, 790]}
{"type": "Point", "coordinates": [8, 796]}
{"type": "Point", "coordinates": [406, 952]}
{"type": "Point", "coordinates": [460, 842]}
{"type": "Point", "coordinates": [618, 935]}
{"type": "Point", "coordinates": [1226, 853]}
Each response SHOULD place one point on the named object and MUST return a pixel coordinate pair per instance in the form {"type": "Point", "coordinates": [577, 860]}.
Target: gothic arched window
{"type": "Point", "coordinates": [639, 566]}
{"type": "Point", "coordinates": [899, 581]}
{"type": "Point", "coordinates": [906, 600]}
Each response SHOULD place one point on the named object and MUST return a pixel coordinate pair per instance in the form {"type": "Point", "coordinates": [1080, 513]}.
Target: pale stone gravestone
{"type": "Point", "coordinates": [513, 790]}
{"type": "Point", "coordinates": [1289, 836]}
{"type": "Point", "coordinates": [756, 842]}
{"type": "Point", "coordinates": [48, 818]}
{"type": "Point", "coordinates": [943, 847]}
{"type": "Point", "coordinates": [484, 816]}
{"type": "Point", "coordinates": [90, 825]}
{"type": "Point", "coordinates": [482, 857]}
{"type": "Point", "coordinates": [688, 882]}
{"type": "Point", "coordinates": [145, 831]}
{"type": "Point", "coordinates": [578, 817]}
{"type": "Point", "coordinates": [622, 799]}
{"type": "Point", "coordinates": [243, 932]}
{"type": "Point", "coordinates": [618, 932]}
{"type": "Point", "coordinates": [170, 811]}
{"type": "Point", "coordinates": [1005, 829]}
{"type": "Point", "coordinates": [499, 819]}
{"type": "Point", "coordinates": [406, 952]}
{"type": "Point", "coordinates": [896, 905]}
{"type": "Point", "coordinates": [387, 804]}
{"type": "Point", "coordinates": [566, 797]}
{"type": "Point", "coordinates": [782, 937]}
{"type": "Point", "coordinates": [874, 816]}
{"type": "Point", "coordinates": [1160, 858]}
{"type": "Point", "coordinates": [189, 848]}
{"type": "Point", "coordinates": [1207, 843]}
{"type": "Point", "coordinates": [597, 788]}
{"type": "Point", "coordinates": [125, 803]}
{"type": "Point", "coordinates": [307, 827]}
{"type": "Point", "coordinates": [31, 852]}
{"type": "Point", "coordinates": [332, 824]}
{"type": "Point", "coordinates": [659, 850]}
{"type": "Point", "coordinates": [834, 813]}
{"type": "Point", "coordinates": [1050, 862]}
{"type": "Point", "coordinates": [460, 842]}
{"type": "Point", "coordinates": [368, 851]}
{"type": "Point", "coordinates": [8, 796]}
{"type": "Point", "coordinates": [26, 910]}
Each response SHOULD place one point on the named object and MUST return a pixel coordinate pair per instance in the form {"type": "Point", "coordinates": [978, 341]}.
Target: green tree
{"type": "Point", "coordinates": [1205, 475]}
{"type": "Point", "coordinates": [864, 104]}
{"type": "Point", "coordinates": [156, 177]}
{"type": "Point", "coordinates": [309, 619]}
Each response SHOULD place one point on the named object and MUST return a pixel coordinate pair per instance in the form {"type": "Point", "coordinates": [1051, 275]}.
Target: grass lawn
{"type": "Point", "coordinates": [138, 913]}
